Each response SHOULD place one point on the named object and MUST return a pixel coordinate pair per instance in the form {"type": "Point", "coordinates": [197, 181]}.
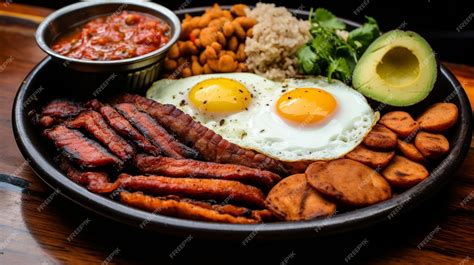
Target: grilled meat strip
{"type": "Point", "coordinates": [77, 147]}
{"type": "Point", "coordinates": [123, 127]}
{"type": "Point", "coordinates": [182, 209]}
{"type": "Point", "coordinates": [171, 167]}
{"type": "Point", "coordinates": [236, 211]}
{"type": "Point", "coordinates": [97, 182]}
{"type": "Point", "coordinates": [93, 122]}
{"type": "Point", "coordinates": [216, 189]}
{"type": "Point", "coordinates": [58, 110]}
{"type": "Point", "coordinates": [155, 133]}
{"type": "Point", "coordinates": [209, 144]}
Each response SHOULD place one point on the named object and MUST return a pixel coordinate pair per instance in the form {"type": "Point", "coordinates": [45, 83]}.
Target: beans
{"type": "Point", "coordinates": [188, 48]}
{"type": "Point", "coordinates": [196, 68]}
{"type": "Point", "coordinates": [250, 32]}
{"type": "Point", "coordinates": [204, 21]}
{"type": "Point", "coordinates": [221, 38]}
{"type": "Point", "coordinates": [208, 35]}
{"type": "Point", "coordinates": [233, 44]}
{"type": "Point", "coordinates": [202, 58]}
{"type": "Point", "coordinates": [210, 53]}
{"type": "Point", "coordinates": [207, 69]}
{"type": "Point", "coordinates": [186, 72]}
{"type": "Point", "coordinates": [210, 43]}
{"type": "Point", "coordinates": [228, 29]}
{"type": "Point", "coordinates": [246, 22]}
{"type": "Point", "coordinates": [216, 46]}
{"type": "Point", "coordinates": [213, 64]}
{"type": "Point", "coordinates": [241, 57]}
{"type": "Point", "coordinates": [238, 10]}
{"type": "Point", "coordinates": [227, 64]}
{"type": "Point", "coordinates": [174, 52]}
{"type": "Point", "coordinates": [170, 64]}
{"type": "Point", "coordinates": [239, 31]}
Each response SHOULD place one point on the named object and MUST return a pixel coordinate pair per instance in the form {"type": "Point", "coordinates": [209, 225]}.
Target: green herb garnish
{"type": "Point", "coordinates": [328, 53]}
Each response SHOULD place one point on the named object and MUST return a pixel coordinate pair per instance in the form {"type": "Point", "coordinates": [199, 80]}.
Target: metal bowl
{"type": "Point", "coordinates": [138, 72]}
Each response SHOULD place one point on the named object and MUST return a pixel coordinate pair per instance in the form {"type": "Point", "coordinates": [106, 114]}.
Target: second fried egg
{"type": "Point", "coordinates": [293, 120]}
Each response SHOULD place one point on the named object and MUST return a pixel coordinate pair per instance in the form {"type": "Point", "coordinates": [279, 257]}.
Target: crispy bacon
{"type": "Point", "coordinates": [209, 144]}
{"type": "Point", "coordinates": [155, 133]}
{"type": "Point", "coordinates": [122, 126]}
{"type": "Point", "coordinates": [97, 182]}
{"type": "Point", "coordinates": [237, 211]}
{"type": "Point", "coordinates": [216, 189]}
{"type": "Point", "coordinates": [62, 108]}
{"type": "Point", "coordinates": [181, 209]}
{"type": "Point", "coordinates": [93, 122]}
{"type": "Point", "coordinates": [192, 168]}
{"type": "Point", "coordinates": [58, 110]}
{"type": "Point", "coordinates": [84, 151]}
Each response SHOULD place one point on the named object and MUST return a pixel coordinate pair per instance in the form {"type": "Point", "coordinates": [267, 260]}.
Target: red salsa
{"type": "Point", "coordinates": [114, 37]}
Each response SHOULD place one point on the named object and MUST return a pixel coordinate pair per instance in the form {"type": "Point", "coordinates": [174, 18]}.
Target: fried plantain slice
{"type": "Point", "coordinates": [381, 138]}
{"type": "Point", "coordinates": [400, 122]}
{"type": "Point", "coordinates": [182, 209]}
{"type": "Point", "coordinates": [373, 159]}
{"type": "Point", "coordinates": [439, 117]}
{"type": "Point", "coordinates": [431, 145]}
{"type": "Point", "coordinates": [410, 151]}
{"type": "Point", "coordinates": [404, 173]}
{"type": "Point", "coordinates": [349, 182]}
{"type": "Point", "coordinates": [293, 199]}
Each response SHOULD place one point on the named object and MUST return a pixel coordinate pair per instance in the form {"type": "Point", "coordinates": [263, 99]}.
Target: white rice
{"type": "Point", "coordinates": [277, 36]}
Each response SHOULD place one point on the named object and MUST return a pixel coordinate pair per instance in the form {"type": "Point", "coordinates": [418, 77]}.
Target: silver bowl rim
{"type": "Point", "coordinates": [43, 27]}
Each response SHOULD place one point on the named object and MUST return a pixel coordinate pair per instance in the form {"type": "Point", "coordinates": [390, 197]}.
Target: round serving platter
{"type": "Point", "coordinates": [49, 80]}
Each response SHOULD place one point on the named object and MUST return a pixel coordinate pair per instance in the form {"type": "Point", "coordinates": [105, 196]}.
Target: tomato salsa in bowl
{"type": "Point", "coordinates": [125, 38]}
{"type": "Point", "coordinates": [114, 37]}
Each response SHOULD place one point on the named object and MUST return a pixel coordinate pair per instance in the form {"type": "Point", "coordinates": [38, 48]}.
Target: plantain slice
{"type": "Point", "coordinates": [431, 145]}
{"type": "Point", "coordinates": [381, 138]}
{"type": "Point", "coordinates": [409, 150]}
{"type": "Point", "coordinates": [349, 182]}
{"type": "Point", "coordinates": [404, 173]}
{"type": "Point", "coordinates": [292, 199]}
{"type": "Point", "coordinates": [439, 117]}
{"type": "Point", "coordinates": [400, 122]}
{"type": "Point", "coordinates": [373, 159]}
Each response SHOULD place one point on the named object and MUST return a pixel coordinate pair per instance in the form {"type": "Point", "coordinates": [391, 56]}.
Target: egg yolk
{"type": "Point", "coordinates": [306, 106]}
{"type": "Point", "coordinates": [220, 95]}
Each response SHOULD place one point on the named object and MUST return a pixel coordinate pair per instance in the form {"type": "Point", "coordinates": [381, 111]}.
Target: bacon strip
{"type": "Point", "coordinates": [181, 209]}
{"type": "Point", "coordinates": [97, 182]}
{"type": "Point", "coordinates": [155, 133]}
{"type": "Point", "coordinates": [93, 122]}
{"type": "Point", "coordinates": [123, 127]}
{"type": "Point", "coordinates": [237, 211]}
{"type": "Point", "coordinates": [216, 189]}
{"type": "Point", "coordinates": [61, 108]}
{"type": "Point", "coordinates": [209, 144]}
{"type": "Point", "coordinates": [84, 151]}
{"type": "Point", "coordinates": [192, 168]}
{"type": "Point", "coordinates": [58, 110]}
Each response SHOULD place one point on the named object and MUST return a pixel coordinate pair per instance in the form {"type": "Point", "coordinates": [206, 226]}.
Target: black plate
{"type": "Point", "coordinates": [50, 80]}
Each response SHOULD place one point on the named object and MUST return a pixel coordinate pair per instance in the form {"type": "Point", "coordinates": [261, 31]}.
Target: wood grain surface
{"type": "Point", "coordinates": [39, 226]}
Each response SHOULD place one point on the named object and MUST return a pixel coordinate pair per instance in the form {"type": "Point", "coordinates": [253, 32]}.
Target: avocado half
{"type": "Point", "coordinates": [398, 69]}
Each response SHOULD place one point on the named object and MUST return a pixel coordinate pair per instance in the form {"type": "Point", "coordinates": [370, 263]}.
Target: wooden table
{"type": "Point", "coordinates": [39, 226]}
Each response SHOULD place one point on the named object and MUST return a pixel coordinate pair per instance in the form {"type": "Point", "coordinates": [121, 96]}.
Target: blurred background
{"type": "Point", "coordinates": [448, 25]}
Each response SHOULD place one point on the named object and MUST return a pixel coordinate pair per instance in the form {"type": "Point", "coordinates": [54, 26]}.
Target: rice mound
{"type": "Point", "coordinates": [277, 36]}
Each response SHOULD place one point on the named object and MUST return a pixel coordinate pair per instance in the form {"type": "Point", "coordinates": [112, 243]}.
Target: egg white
{"type": "Point", "coordinates": [261, 129]}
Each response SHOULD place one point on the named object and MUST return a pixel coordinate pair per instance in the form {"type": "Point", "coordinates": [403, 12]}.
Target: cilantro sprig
{"type": "Point", "coordinates": [328, 53]}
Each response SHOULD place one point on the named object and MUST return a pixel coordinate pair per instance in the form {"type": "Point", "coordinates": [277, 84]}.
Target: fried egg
{"type": "Point", "coordinates": [293, 120]}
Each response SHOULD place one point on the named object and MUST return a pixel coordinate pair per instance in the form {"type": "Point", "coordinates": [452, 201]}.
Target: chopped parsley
{"type": "Point", "coordinates": [330, 54]}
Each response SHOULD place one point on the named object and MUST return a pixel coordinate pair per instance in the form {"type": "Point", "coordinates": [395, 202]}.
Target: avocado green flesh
{"type": "Point", "coordinates": [399, 69]}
